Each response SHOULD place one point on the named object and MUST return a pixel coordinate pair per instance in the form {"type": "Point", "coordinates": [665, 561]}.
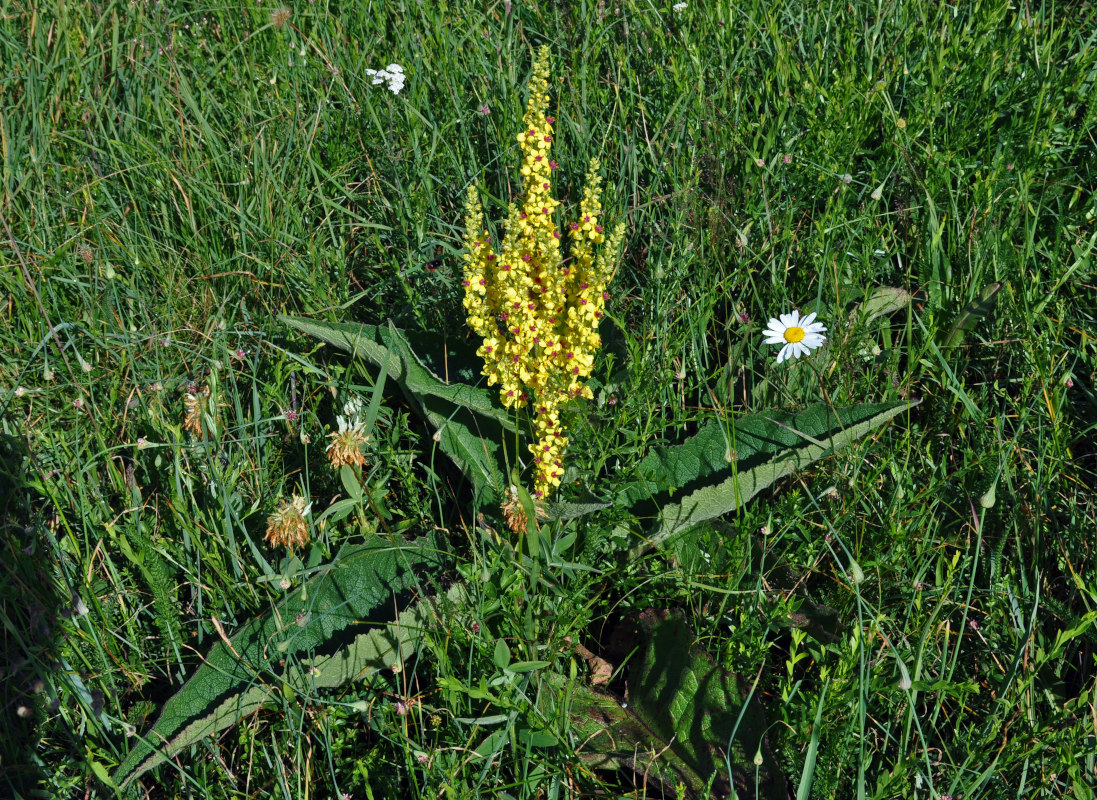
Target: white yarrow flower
{"type": "Point", "coordinates": [680, 6]}
{"type": "Point", "coordinates": [393, 75]}
{"type": "Point", "coordinates": [799, 335]}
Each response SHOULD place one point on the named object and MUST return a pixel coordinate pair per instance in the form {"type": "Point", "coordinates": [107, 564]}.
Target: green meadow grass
{"type": "Point", "coordinates": [176, 174]}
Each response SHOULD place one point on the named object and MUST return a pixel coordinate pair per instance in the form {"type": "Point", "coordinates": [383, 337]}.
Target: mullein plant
{"type": "Point", "coordinates": [537, 312]}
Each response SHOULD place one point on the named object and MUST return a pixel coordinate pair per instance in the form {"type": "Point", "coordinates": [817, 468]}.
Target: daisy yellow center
{"type": "Point", "coordinates": [794, 334]}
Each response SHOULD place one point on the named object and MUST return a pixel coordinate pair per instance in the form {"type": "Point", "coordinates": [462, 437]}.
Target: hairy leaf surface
{"type": "Point", "coordinates": [340, 624]}
{"type": "Point", "coordinates": [686, 718]}
{"type": "Point", "coordinates": [730, 460]}
{"type": "Point", "coordinates": [468, 421]}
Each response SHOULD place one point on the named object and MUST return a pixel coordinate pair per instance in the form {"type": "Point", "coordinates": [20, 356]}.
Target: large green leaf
{"type": "Point", "coordinates": [378, 343]}
{"type": "Point", "coordinates": [340, 624]}
{"type": "Point", "coordinates": [685, 721]}
{"type": "Point", "coordinates": [882, 302]}
{"type": "Point", "coordinates": [730, 460]}
{"type": "Point", "coordinates": [974, 313]}
{"type": "Point", "coordinates": [469, 423]}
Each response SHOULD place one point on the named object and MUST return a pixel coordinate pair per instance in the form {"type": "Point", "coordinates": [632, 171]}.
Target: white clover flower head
{"type": "Point", "coordinates": [393, 75]}
{"type": "Point", "coordinates": [351, 417]}
{"type": "Point", "coordinates": [797, 335]}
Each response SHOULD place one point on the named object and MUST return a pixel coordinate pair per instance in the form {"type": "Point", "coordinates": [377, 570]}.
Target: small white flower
{"type": "Point", "coordinates": [680, 7]}
{"type": "Point", "coordinates": [799, 335]}
{"type": "Point", "coordinates": [393, 74]}
{"type": "Point", "coordinates": [351, 416]}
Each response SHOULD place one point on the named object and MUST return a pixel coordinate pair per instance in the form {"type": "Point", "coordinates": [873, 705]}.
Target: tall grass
{"type": "Point", "coordinates": [176, 174]}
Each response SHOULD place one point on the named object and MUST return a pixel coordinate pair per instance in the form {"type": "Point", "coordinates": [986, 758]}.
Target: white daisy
{"type": "Point", "coordinates": [799, 335]}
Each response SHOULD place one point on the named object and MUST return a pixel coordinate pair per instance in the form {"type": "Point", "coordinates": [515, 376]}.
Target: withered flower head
{"type": "Point", "coordinates": [346, 445]}
{"type": "Point", "coordinates": [514, 513]}
{"type": "Point", "coordinates": [286, 527]}
{"type": "Point", "coordinates": [197, 403]}
{"type": "Point", "coordinates": [280, 16]}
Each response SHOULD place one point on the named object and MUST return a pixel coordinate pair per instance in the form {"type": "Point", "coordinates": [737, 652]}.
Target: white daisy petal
{"type": "Point", "coordinates": [808, 334]}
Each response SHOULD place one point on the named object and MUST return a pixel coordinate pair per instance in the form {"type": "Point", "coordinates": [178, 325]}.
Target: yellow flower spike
{"type": "Point", "coordinates": [537, 313]}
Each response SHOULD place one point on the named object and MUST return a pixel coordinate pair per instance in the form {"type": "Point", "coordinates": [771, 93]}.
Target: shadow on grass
{"type": "Point", "coordinates": [30, 607]}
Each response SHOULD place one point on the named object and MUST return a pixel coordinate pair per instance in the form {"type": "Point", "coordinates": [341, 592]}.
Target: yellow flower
{"type": "Point", "coordinates": [537, 313]}
{"type": "Point", "coordinates": [286, 527]}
